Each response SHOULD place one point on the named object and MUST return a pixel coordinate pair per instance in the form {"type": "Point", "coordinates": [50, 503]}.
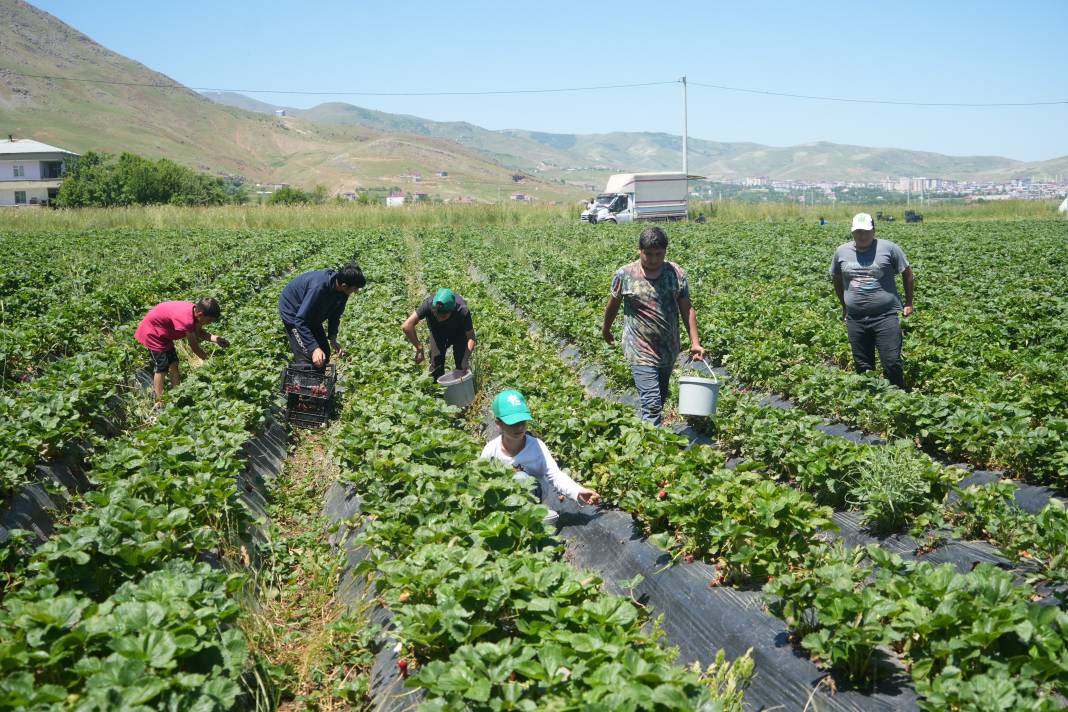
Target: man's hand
{"type": "Point", "coordinates": [221, 342]}
{"type": "Point", "coordinates": [907, 311]}
{"type": "Point", "coordinates": [588, 496]}
{"type": "Point", "coordinates": [697, 352]}
{"type": "Point", "coordinates": [318, 358]}
{"type": "Point", "coordinates": [337, 348]}
{"type": "Point", "coordinates": [606, 334]}
{"type": "Point", "coordinates": [419, 355]}
{"type": "Point", "coordinates": [843, 312]}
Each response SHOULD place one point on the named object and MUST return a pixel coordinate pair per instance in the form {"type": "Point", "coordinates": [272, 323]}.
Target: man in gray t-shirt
{"type": "Point", "coordinates": [864, 272]}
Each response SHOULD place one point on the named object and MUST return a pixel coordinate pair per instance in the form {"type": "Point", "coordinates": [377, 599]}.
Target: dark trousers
{"type": "Point", "coordinates": [882, 332]}
{"type": "Point", "coordinates": [302, 352]}
{"type": "Point", "coordinates": [437, 354]}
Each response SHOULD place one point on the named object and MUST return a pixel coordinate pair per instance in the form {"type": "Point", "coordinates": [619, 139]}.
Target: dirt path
{"type": "Point", "coordinates": [317, 650]}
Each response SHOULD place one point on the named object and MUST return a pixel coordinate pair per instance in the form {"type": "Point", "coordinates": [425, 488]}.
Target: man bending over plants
{"type": "Point", "coordinates": [528, 454]}
{"type": "Point", "coordinates": [654, 293]}
{"type": "Point", "coordinates": [308, 301]}
{"type": "Point", "coordinates": [168, 322]}
{"type": "Point", "coordinates": [450, 324]}
{"type": "Point", "coordinates": [864, 272]}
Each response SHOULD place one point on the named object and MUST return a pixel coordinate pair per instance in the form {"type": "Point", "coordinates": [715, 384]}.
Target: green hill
{"type": "Point", "coordinates": [589, 157]}
{"type": "Point", "coordinates": [166, 119]}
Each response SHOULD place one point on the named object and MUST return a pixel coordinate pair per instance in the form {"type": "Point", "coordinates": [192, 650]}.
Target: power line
{"type": "Point", "coordinates": [553, 90]}
{"type": "Point", "coordinates": [876, 101]}
{"type": "Point", "coordinates": [350, 93]}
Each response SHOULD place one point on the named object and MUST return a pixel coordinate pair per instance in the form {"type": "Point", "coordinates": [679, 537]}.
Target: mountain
{"type": "Point", "coordinates": [588, 157]}
{"type": "Point", "coordinates": [107, 102]}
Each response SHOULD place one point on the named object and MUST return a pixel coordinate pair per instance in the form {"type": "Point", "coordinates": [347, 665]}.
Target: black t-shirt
{"type": "Point", "coordinates": [452, 329]}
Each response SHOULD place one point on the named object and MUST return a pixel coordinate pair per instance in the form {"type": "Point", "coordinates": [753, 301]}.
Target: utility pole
{"type": "Point", "coordinates": [685, 134]}
{"type": "Point", "coordinates": [685, 154]}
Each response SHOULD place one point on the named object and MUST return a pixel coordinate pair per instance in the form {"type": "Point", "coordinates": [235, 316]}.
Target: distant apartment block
{"type": "Point", "coordinates": [30, 172]}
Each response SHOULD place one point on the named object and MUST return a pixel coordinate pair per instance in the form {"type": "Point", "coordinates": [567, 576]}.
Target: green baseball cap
{"type": "Point", "coordinates": [444, 300]}
{"type": "Point", "coordinates": [510, 407]}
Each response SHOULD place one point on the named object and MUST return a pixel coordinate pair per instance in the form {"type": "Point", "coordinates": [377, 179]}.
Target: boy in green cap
{"type": "Point", "coordinates": [526, 453]}
{"type": "Point", "coordinates": [449, 320]}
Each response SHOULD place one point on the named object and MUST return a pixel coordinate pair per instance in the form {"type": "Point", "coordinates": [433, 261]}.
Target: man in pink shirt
{"type": "Point", "coordinates": [167, 322]}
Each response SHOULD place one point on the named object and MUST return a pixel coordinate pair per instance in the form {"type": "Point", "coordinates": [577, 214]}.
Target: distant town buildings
{"type": "Point", "coordinates": [917, 188]}
{"type": "Point", "coordinates": [395, 200]}
{"type": "Point", "coordinates": [279, 112]}
{"type": "Point", "coordinates": [30, 172]}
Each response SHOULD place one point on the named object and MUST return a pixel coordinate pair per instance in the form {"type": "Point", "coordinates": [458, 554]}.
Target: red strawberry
{"type": "Point", "coordinates": [661, 494]}
{"type": "Point", "coordinates": [402, 665]}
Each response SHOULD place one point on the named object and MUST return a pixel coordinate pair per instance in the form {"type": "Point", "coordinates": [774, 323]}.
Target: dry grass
{"type": "Point", "coordinates": [315, 648]}
{"type": "Point", "coordinates": [341, 216]}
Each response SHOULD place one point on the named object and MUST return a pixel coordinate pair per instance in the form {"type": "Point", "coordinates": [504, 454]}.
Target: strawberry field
{"type": "Point", "coordinates": [838, 542]}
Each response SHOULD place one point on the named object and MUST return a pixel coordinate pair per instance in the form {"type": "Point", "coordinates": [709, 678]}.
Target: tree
{"type": "Point", "coordinates": [100, 180]}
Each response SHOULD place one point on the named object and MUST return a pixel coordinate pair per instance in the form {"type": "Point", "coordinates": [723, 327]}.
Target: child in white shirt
{"type": "Point", "coordinates": [526, 453]}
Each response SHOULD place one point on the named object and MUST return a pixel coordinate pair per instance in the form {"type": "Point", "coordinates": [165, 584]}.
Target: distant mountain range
{"type": "Point", "coordinates": [107, 102]}
{"type": "Point", "coordinates": [560, 154]}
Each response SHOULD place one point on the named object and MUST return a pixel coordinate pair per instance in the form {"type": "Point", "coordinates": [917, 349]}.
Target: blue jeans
{"type": "Point", "coordinates": [652, 384]}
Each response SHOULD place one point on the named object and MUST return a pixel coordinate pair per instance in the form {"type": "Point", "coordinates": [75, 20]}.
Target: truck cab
{"type": "Point", "coordinates": [610, 208]}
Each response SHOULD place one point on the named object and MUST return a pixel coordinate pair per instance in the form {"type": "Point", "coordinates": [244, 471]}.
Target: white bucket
{"type": "Point", "coordinates": [459, 388]}
{"type": "Point", "coordinates": [697, 395]}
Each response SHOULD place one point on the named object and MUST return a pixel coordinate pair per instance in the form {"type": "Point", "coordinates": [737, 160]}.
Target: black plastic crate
{"type": "Point", "coordinates": [309, 394]}
{"type": "Point", "coordinates": [309, 382]}
{"type": "Point", "coordinates": [308, 412]}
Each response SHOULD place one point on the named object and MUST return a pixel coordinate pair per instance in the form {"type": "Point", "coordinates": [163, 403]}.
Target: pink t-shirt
{"type": "Point", "coordinates": [164, 324]}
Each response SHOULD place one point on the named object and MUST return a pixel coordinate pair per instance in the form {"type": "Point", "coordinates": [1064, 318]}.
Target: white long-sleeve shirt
{"type": "Point", "coordinates": [534, 459]}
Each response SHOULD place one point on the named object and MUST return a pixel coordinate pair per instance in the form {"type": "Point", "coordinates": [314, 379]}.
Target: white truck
{"type": "Point", "coordinates": [641, 196]}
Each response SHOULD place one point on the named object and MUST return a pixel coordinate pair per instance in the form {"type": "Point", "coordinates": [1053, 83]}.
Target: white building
{"type": "Point", "coordinates": [395, 200]}
{"type": "Point", "coordinates": [30, 171]}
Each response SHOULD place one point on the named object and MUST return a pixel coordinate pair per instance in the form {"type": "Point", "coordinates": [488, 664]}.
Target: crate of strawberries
{"type": "Point", "coordinates": [309, 394]}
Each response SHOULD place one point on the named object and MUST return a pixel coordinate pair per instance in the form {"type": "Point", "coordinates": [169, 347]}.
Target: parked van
{"type": "Point", "coordinates": [630, 197]}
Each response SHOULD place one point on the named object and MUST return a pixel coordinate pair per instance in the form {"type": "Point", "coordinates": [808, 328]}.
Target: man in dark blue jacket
{"type": "Point", "coordinates": [308, 301]}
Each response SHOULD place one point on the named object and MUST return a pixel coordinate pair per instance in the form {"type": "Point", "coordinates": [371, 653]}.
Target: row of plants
{"type": "Point", "coordinates": [66, 322]}
{"type": "Point", "coordinates": [970, 641]}
{"type": "Point", "coordinates": [486, 614]}
{"type": "Point", "coordinates": [127, 606]}
{"type": "Point", "coordinates": [741, 520]}
{"type": "Point", "coordinates": [893, 487]}
{"type": "Point", "coordinates": [977, 334]}
{"type": "Point", "coordinates": [81, 402]}
{"type": "Point", "coordinates": [36, 270]}
{"type": "Point", "coordinates": [767, 312]}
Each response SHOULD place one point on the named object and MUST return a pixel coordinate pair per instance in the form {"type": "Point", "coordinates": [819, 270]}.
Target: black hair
{"type": "Point", "coordinates": [209, 307]}
{"type": "Point", "coordinates": [351, 276]}
{"type": "Point", "coordinates": [652, 237]}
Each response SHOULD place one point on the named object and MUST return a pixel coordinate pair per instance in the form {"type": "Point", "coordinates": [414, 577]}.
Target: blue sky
{"type": "Point", "coordinates": [934, 51]}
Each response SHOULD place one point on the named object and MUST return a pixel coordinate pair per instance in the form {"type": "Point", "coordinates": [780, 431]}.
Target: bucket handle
{"type": "Point", "coordinates": [705, 362]}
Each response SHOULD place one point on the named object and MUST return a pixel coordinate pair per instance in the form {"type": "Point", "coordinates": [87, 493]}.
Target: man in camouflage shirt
{"type": "Point", "coordinates": [654, 293]}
